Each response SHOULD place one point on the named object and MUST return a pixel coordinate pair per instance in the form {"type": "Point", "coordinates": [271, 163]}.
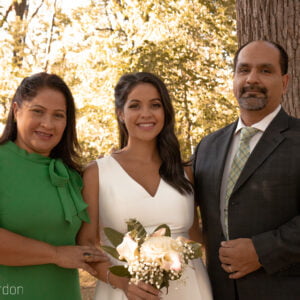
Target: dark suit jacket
{"type": "Point", "coordinates": [264, 206]}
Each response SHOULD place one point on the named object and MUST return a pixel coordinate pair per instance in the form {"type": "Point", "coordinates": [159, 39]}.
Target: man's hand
{"type": "Point", "coordinates": [238, 257]}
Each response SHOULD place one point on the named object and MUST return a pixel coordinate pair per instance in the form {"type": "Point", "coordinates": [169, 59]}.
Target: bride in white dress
{"type": "Point", "coordinates": [145, 180]}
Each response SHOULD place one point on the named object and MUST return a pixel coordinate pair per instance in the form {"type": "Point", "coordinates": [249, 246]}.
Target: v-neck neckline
{"type": "Point", "coordinates": [136, 182]}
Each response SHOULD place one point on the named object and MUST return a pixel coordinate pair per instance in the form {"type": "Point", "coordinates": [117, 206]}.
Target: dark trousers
{"type": "Point", "coordinates": [236, 291]}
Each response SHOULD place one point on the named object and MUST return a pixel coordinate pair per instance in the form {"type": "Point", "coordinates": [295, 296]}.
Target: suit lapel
{"type": "Point", "coordinates": [270, 140]}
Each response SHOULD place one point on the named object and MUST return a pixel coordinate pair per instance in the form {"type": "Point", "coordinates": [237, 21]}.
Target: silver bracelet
{"type": "Point", "coordinates": [107, 279]}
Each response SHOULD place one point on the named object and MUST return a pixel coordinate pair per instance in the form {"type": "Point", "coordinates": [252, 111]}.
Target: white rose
{"type": "Point", "coordinates": [128, 249]}
{"type": "Point", "coordinates": [164, 250]}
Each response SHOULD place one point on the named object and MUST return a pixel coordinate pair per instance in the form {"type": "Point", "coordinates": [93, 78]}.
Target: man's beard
{"type": "Point", "coordinates": [252, 101]}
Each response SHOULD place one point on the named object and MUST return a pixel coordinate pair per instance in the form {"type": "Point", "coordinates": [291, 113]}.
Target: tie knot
{"type": "Point", "coordinates": [247, 133]}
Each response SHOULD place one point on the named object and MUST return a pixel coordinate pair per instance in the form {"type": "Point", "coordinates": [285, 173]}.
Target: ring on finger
{"type": "Point", "coordinates": [87, 254]}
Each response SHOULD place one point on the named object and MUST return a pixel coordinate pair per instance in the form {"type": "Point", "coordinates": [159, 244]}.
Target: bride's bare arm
{"type": "Point", "coordinates": [195, 231]}
{"type": "Point", "coordinates": [89, 232]}
{"type": "Point", "coordinates": [89, 235]}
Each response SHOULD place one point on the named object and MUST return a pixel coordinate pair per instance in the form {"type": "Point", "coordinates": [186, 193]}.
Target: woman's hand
{"type": "Point", "coordinates": [142, 291]}
{"type": "Point", "coordinates": [74, 257]}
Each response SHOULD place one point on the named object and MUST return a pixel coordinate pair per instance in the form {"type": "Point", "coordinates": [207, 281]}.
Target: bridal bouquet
{"type": "Point", "coordinates": [153, 258]}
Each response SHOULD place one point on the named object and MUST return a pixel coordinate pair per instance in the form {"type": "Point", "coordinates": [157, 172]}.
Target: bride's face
{"type": "Point", "coordinates": [143, 112]}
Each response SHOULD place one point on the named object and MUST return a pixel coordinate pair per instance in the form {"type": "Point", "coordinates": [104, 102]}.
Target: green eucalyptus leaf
{"type": "Point", "coordinates": [137, 230]}
{"type": "Point", "coordinates": [114, 236]}
{"type": "Point", "coordinates": [165, 281]}
{"type": "Point", "coordinates": [112, 251]}
{"type": "Point", "coordinates": [159, 280]}
{"type": "Point", "coordinates": [196, 247]}
{"type": "Point", "coordinates": [120, 271]}
{"type": "Point", "coordinates": [168, 231]}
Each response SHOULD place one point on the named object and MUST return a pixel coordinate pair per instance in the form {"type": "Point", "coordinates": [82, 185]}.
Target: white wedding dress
{"type": "Point", "coordinates": [122, 198]}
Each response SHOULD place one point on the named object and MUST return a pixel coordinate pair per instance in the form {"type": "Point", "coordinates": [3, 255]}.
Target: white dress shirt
{"type": "Point", "coordinates": [262, 125]}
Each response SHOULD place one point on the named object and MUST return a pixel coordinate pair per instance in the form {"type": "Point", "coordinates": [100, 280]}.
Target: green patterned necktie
{"type": "Point", "coordinates": [238, 163]}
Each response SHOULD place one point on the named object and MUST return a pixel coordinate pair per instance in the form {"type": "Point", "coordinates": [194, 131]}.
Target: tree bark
{"type": "Point", "coordinates": [278, 21]}
{"type": "Point", "coordinates": [19, 34]}
{"type": "Point", "coordinates": [21, 8]}
{"type": "Point", "coordinates": [49, 44]}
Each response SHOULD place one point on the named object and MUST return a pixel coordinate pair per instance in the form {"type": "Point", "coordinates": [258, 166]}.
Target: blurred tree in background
{"type": "Point", "coordinates": [188, 43]}
{"type": "Point", "coordinates": [277, 21]}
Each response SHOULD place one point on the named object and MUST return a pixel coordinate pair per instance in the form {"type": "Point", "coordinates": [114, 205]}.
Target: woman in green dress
{"type": "Point", "coordinates": [41, 209]}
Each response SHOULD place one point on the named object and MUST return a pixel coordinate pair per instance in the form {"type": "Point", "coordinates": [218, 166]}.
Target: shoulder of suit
{"type": "Point", "coordinates": [294, 121]}
{"type": "Point", "coordinates": [220, 131]}
{"type": "Point", "coordinates": [212, 137]}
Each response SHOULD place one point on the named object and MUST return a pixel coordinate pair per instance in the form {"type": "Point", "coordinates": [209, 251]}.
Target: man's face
{"type": "Point", "coordinates": [258, 83]}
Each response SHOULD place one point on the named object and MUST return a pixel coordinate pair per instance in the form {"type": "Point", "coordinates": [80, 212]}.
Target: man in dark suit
{"type": "Point", "coordinates": [251, 230]}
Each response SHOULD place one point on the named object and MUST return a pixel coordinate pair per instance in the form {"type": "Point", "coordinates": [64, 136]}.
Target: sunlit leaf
{"type": "Point", "coordinates": [112, 251]}
{"type": "Point", "coordinates": [114, 236]}
{"type": "Point", "coordinates": [168, 231]}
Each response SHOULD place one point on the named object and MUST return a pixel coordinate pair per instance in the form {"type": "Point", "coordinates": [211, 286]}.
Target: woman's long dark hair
{"type": "Point", "coordinates": [68, 146]}
{"type": "Point", "coordinates": [172, 167]}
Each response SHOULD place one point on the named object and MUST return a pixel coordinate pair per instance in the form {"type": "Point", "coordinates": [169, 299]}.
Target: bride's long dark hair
{"type": "Point", "coordinates": [172, 167]}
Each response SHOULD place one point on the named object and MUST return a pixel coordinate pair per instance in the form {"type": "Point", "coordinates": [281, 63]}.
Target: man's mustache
{"type": "Point", "coordinates": [253, 88]}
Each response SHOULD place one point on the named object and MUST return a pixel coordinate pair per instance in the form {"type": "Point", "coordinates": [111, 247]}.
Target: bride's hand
{"type": "Point", "coordinates": [142, 291]}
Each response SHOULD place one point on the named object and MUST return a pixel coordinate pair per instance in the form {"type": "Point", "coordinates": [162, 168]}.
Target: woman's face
{"type": "Point", "coordinates": [143, 112]}
{"type": "Point", "coordinates": [41, 122]}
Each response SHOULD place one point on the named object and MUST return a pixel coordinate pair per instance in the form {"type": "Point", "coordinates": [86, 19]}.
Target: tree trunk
{"type": "Point", "coordinates": [49, 43]}
{"type": "Point", "coordinates": [278, 21]}
{"type": "Point", "coordinates": [19, 31]}
{"type": "Point", "coordinates": [21, 8]}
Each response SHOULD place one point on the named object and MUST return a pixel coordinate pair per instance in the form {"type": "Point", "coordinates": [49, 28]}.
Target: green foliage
{"type": "Point", "coordinates": [144, 266]}
{"type": "Point", "coordinates": [188, 43]}
{"type": "Point", "coordinates": [137, 230]}
{"type": "Point", "coordinates": [166, 227]}
{"type": "Point", "coordinates": [120, 271]}
{"type": "Point", "coordinates": [196, 250]}
{"type": "Point", "coordinates": [111, 250]}
{"type": "Point", "coordinates": [114, 236]}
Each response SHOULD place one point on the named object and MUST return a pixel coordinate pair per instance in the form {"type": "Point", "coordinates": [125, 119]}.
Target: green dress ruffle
{"type": "Point", "coordinates": [40, 198]}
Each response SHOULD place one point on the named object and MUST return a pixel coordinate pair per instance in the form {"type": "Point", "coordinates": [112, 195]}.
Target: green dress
{"type": "Point", "coordinates": [40, 198]}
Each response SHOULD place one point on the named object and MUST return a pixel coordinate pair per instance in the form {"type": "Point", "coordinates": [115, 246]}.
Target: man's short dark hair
{"type": "Point", "coordinates": [283, 57]}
